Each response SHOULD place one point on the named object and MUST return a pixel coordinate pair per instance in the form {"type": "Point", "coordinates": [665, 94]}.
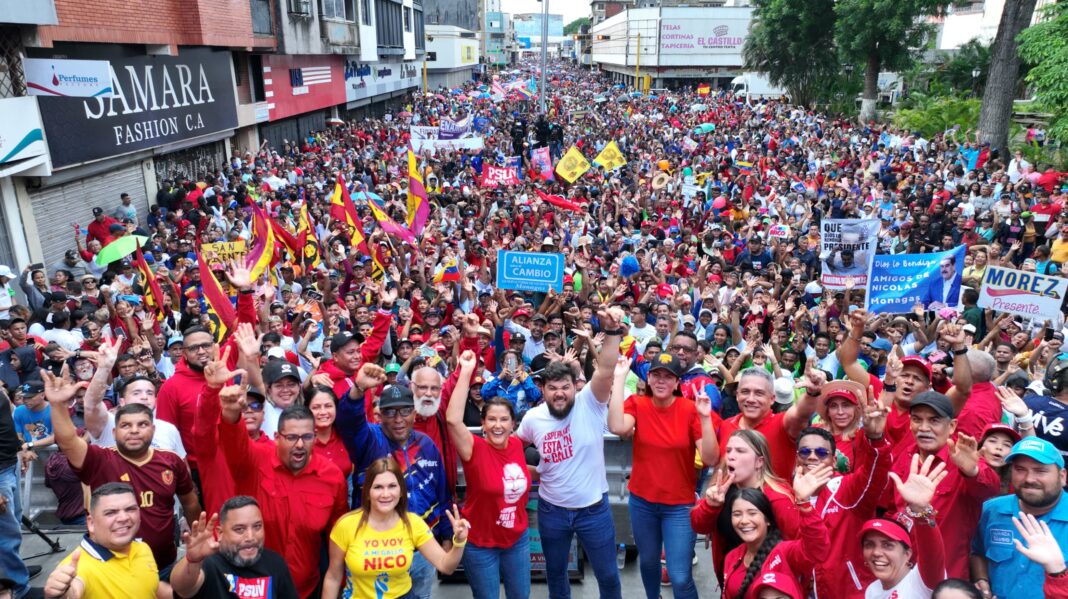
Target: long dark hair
{"type": "Point", "coordinates": [773, 537]}
{"type": "Point", "coordinates": [380, 466]}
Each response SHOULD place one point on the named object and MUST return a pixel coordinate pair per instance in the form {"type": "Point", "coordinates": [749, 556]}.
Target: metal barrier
{"type": "Point", "coordinates": [37, 498]}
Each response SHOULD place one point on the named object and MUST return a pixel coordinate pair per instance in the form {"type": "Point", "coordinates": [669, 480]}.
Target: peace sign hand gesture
{"type": "Point", "coordinates": [216, 372]}
{"type": "Point", "coordinates": [716, 492]}
{"type": "Point", "coordinates": [874, 416]}
{"type": "Point", "coordinates": [460, 526]}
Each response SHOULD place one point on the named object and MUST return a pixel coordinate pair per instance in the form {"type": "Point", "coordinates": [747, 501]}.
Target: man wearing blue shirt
{"type": "Point", "coordinates": [1038, 477]}
{"type": "Point", "coordinates": [33, 419]}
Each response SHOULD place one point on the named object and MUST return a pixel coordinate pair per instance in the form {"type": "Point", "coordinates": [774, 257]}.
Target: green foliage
{"type": "Point", "coordinates": [934, 114]}
{"type": "Point", "coordinates": [794, 44]}
{"type": "Point", "coordinates": [888, 29]}
{"type": "Point", "coordinates": [573, 27]}
{"type": "Point", "coordinates": [954, 72]}
{"type": "Point", "coordinates": [1045, 47]}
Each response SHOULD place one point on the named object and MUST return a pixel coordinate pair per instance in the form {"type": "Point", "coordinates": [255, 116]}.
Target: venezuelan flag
{"type": "Point", "coordinates": [261, 255]}
{"type": "Point", "coordinates": [418, 205]}
{"type": "Point", "coordinates": [449, 271]}
{"type": "Point", "coordinates": [746, 168]}
{"type": "Point", "coordinates": [153, 292]}
{"type": "Point", "coordinates": [221, 312]}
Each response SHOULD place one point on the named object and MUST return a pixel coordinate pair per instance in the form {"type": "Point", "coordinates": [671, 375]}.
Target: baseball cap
{"type": "Point", "coordinates": [934, 400]}
{"type": "Point", "coordinates": [173, 340]}
{"type": "Point", "coordinates": [888, 528]}
{"type": "Point", "coordinates": [1018, 379]}
{"type": "Point", "coordinates": [1039, 450]}
{"type": "Point", "coordinates": [1000, 427]}
{"type": "Point", "coordinates": [689, 319]}
{"type": "Point", "coordinates": [881, 344]}
{"type": "Point", "coordinates": [255, 395]}
{"type": "Point", "coordinates": [396, 396]}
{"type": "Point", "coordinates": [116, 227]}
{"type": "Point", "coordinates": [520, 313]}
{"type": "Point", "coordinates": [31, 388]}
{"type": "Point", "coordinates": [98, 211]}
{"type": "Point", "coordinates": [918, 361]}
{"type": "Point", "coordinates": [784, 391]}
{"type": "Point", "coordinates": [668, 362]}
{"type": "Point", "coordinates": [850, 390]}
{"type": "Point", "coordinates": [539, 317]}
{"type": "Point", "coordinates": [780, 582]}
{"type": "Point", "coordinates": [342, 339]}
{"type": "Point", "coordinates": [5, 271]}
{"type": "Point", "coordinates": [275, 370]}
{"type": "Point", "coordinates": [392, 368]}
{"type": "Point", "coordinates": [517, 338]}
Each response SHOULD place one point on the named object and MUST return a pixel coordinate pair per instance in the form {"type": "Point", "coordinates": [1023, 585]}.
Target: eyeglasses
{"type": "Point", "coordinates": [254, 406]}
{"type": "Point", "coordinates": [682, 348]}
{"type": "Point", "coordinates": [292, 439]}
{"type": "Point", "coordinates": [821, 452]}
{"type": "Point", "coordinates": [84, 282]}
{"type": "Point", "coordinates": [394, 412]}
{"type": "Point", "coordinates": [201, 347]}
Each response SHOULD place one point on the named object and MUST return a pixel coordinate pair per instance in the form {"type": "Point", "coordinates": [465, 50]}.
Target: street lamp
{"type": "Point", "coordinates": [975, 80]}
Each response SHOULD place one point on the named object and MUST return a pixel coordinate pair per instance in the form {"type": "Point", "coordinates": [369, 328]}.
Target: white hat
{"type": "Point", "coordinates": [813, 288]}
{"type": "Point", "coordinates": [784, 390]}
{"type": "Point", "coordinates": [5, 271]}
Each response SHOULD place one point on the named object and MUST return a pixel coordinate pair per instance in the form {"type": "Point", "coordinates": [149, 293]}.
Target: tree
{"type": "Point", "coordinates": [574, 26]}
{"type": "Point", "coordinates": [793, 43]}
{"type": "Point", "coordinates": [882, 34]}
{"type": "Point", "coordinates": [1004, 73]}
{"type": "Point", "coordinates": [1043, 47]}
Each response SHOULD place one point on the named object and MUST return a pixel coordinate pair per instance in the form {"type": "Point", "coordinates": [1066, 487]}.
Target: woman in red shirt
{"type": "Point", "coordinates": [498, 484]}
{"type": "Point", "coordinates": [666, 428]}
{"type": "Point", "coordinates": [323, 405]}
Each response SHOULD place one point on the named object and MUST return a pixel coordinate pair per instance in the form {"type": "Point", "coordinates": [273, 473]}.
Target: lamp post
{"type": "Point", "coordinates": [975, 79]}
{"type": "Point", "coordinates": [544, 54]}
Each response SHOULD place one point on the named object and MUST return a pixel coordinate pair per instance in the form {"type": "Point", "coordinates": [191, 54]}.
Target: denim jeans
{"type": "Point", "coordinates": [595, 531]}
{"type": "Point", "coordinates": [423, 574]}
{"type": "Point", "coordinates": [11, 531]}
{"type": "Point", "coordinates": [657, 525]}
{"type": "Point", "coordinates": [486, 567]}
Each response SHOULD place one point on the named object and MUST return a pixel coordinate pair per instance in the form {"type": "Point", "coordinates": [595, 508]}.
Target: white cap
{"type": "Point", "coordinates": [5, 271]}
{"type": "Point", "coordinates": [784, 390]}
{"type": "Point", "coordinates": [813, 288]}
{"type": "Point", "coordinates": [276, 352]}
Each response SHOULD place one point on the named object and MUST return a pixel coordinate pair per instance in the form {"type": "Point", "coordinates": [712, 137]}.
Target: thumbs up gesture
{"type": "Point", "coordinates": [63, 577]}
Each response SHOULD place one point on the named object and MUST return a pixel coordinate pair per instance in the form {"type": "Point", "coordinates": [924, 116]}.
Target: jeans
{"type": "Point", "coordinates": [423, 574]}
{"type": "Point", "coordinates": [486, 567]}
{"type": "Point", "coordinates": [655, 525]}
{"type": "Point", "coordinates": [11, 531]}
{"type": "Point", "coordinates": [595, 531]}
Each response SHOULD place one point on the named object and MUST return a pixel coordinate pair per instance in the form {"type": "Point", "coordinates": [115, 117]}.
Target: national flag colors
{"type": "Point", "coordinates": [610, 157]}
{"type": "Point", "coordinates": [261, 254]}
{"type": "Point", "coordinates": [746, 168]}
{"type": "Point", "coordinates": [704, 89]}
{"type": "Point", "coordinates": [310, 253]}
{"type": "Point", "coordinates": [573, 165]}
{"type": "Point", "coordinates": [448, 271]}
{"type": "Point", "coordinates": [342, 209]}
{"type": "Point", "coordinates": [221, 312]}
{"type": "Point", "coordinates": [418, 204]}
{"type": "Point", "coordinates": [559, 202]}
{"type": "Point", "coordinates": [153, 292]}
{"type": "Point", "coordinates": [389, 226]}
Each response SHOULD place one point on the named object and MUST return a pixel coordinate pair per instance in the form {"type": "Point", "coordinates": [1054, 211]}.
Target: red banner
{"type": "Point", "coordinates": [496, 176]}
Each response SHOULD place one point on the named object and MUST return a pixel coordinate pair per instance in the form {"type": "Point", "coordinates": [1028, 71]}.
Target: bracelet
{"type": "Point", "coordinates": [855, 339]}
{"type": "Point", "coordinates": [1060, 574]}
{"type": "Point", "coordinates": [890, 388]}
{"type": "Point", "coordinates": [811, 394]}
{"type": "Point", "coordinates": [960, 352]}
{"type": "Point", "coordinates": [1026, 421]}
{"type": "Point", "coordinates": [613, 333]}
{"type": "Point", "coordinates": [245, 292]}
{"type": "Point", "coordinates": [801, 502]}
{"type": "Point", "coordinates": [456, 543]}
{"type": "Point", "coordinates": [928, 514]}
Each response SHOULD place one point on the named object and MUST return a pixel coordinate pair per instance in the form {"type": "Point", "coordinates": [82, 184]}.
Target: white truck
{"type": "Point", "coordinates": [755, 86]}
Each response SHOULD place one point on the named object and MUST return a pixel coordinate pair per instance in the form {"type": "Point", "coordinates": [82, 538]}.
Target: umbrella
{"type": "Point", "coordinates": [636, 94]}
{"type": "Point", "coordinates": [697, 107]}
{"type": "Point", "coordinates": [705, 128]}
{"type": "Point", "coordinates": [335, 121]}
{"type": "Point", "coordinates": [119, 249]}
{"type": "Point", "coordinates": [623, 98]}
{"type": "Point", "coordinates": [600, 99]}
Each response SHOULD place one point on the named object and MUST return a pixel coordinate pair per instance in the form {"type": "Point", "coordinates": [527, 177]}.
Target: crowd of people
{"type": "Point", "coordinates": [371, 408]}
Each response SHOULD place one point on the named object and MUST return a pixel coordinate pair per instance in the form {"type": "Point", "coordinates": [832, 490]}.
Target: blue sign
{"type": "Point", "coordinates": [530, 271]}
{"type": "Point", "coordinates": [898, 281]}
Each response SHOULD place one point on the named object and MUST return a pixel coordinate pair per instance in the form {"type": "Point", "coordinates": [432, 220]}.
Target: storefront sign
{"type": "Point", "coordinates": [367, 80]}
{"type": "Point", "coordinates": [67, 78]}
{"type": "Point", "coordinates": [684, 36]}
{"type": "Point", "coordinates": [1025, 293]}
{"type": "Point", "coordinates": [156, 100]}
{"type": "Point", "coordinates": [299, 84]}
{"type": "Point", "coordinates": [21, 135]}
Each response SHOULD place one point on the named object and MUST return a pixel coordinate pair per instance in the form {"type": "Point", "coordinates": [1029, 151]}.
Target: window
{"type": "Point", "coordinates": [365, 11]}
{"type": "Point", "coordinates": [407, 19]}
{"type": "Point", "coordinates": [420, 34]}
{"type": "Point", "coordinates": [389, 24]}
{"type": "Point", "coordinates": [255, 71]}
{"type": "Point", "coordinates": [342, 10]}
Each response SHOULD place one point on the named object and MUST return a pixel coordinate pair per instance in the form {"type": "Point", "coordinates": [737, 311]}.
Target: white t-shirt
{"type": "Point", "coordinates": [572, 451]}
{"type": "Point", "coordinates": [166, 436]}
{"type": "Point", "coordinates": [911, 586]}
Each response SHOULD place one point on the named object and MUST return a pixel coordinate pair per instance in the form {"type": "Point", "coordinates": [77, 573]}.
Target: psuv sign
{"type": "Point", "coordinates": [1024, 293]}
{"type": "Point", "coordinates": [530, 271]}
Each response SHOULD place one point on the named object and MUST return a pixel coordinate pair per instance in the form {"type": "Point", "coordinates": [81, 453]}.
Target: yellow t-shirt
{"type": "Point", "coordinates": [378, 561]}
{"type": "Point", "coordinates": [107, 574]}
{"type": "Point", "coordinates": [1059, 251]}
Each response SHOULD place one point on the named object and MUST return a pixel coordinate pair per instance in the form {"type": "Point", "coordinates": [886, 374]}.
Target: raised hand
{"type": "Point", "coordinates": [808, 483]}
{"type": "Point", "coordinates": [233, 401]}
{"type": "Point", "coordinates": [716, 492]}
{"type": "Point", "coordinates": [247, 342]}
{"type": "Point", "coordinates": [460, 526]}
{"type": "Point", "coordinates": [216, 372]}
{"type": "Point", "coordinates": [239, 275]}
{"type": "Point", "coordinates": [59, 391]}
{"type": "Point", "coordinates": [467, 361]}
{"type": "Point", "coordinates": [370, 376]}
{"type": "Point", "coordinates": [200, 542]}
{"type": "Point", "coordinates": [874, 416]}
{"type": "Point", "coordinates": [611, 319]}
{"type": "Point", "coordinates": [965, 454]}
{"type": "Point", "coordinates": [622, 368]}
{"type": "Point", "coordinates": [703, 404]}
{"type": "Point", "coordinates": [814, 381]}
{"type": "Point", "coordinates": [1012, 403]}
{"type": "Point", "coordinates": [923, 479]}
{"type": "Point", "coordinates": [1042, 547]}
{"type": "Point", "coordinates": [63, 576]}
{"type": "Point", "coordinates": [953, 334]}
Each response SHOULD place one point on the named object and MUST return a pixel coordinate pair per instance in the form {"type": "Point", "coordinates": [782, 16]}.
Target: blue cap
{"type": "Point", "coordinates": [1039, 450]}
{"type": "Point", "coordinates": [881, 344]}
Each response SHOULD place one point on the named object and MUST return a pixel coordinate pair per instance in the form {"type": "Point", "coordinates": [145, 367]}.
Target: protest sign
{"type": "Point", "coordinates": [496, 176]}
{"type": "Point", "coordinates": [610, 157]}
{"type": "Point", "coordinates": [543, 163]}
{"type": "Point", "coordinates": [899, 281]}
{"type": "Point", "coordinates": [1024, 293]}
{"type": "Point", "coordinates": [572, 165]}
{"type": "Point", "coordinates": [219, 253]}
{"type": "Point", "coordinates": [847, 247]}
{"type": "Point", "coordinates": [779, 231]}
{"type": "Point", "coordinates": [530, 271]}
{"type": "Point", "coordinates": [429, 138]}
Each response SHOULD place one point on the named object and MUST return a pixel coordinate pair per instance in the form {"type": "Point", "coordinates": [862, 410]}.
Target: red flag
{"type": "Point", "coordinates": [153, 292]}
{"type": "Point", "coordinates": [558, 201]}
{"type": "Point", "coordinates": [219, 306]}
{"type": "Point", "coordinates": [290, 241]}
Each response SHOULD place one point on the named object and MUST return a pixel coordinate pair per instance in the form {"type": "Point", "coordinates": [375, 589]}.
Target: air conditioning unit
{"type": "Point", "coordinates": [300, 8]}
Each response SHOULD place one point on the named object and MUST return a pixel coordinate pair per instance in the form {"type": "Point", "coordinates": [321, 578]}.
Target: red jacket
{"type": "Point", "coordinates": [792, 559]}
{"type": "Point", "coordinates": [369, 351]}
{"type": "Point", "coordinates": [101, 230]}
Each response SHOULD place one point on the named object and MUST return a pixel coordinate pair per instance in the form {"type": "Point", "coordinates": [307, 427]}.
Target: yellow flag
{"type": "Point", "coordinates": [610, 157]}
{"type": "Point", "coordinates": [572, 165]}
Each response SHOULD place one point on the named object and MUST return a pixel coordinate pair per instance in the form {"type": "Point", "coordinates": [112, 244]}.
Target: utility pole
{"type": "Point", "coordinates": [542, 91]}
{"type": "Point", "coordinates": [638, 64]}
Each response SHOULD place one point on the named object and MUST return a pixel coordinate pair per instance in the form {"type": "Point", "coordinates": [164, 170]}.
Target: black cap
{"type": "Point", "coordinates": [1018, 379]}
{"type": "Point", "coordinates": [517, 338]}
{"type": "Point", "coordinates": [396, 396]}
{"type": "Point", "coordinates": [668, 362]}
{"type": "Point", "coordinates": [98, 211]}
{"type": "Point", "coordinates": [59, 296]}
{"type": "Point", "coordinates": [31, 387]}
{"type": "Point", "coordinates": [255, 395]}
{"type": "Point", "coordinates": [342, 339]}
{"type": "Point", "coordinates": [277, 369]}
{"type": "Point", "coordinates": [934, 400]}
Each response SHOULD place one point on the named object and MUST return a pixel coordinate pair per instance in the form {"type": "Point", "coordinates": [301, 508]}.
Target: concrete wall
{"type": "Point", "coordinates": [458, 13]}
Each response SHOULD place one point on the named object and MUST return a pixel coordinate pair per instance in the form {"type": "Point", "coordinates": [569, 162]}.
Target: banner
{"type": "Point", "coordinates": [450, 129]}
{"type": "Point", "coordinates": [543, 163]}
{"type": "Point", "coordinates": [572, 165]}
{"type": "Point", "coordinates": [515, 163]}
{"type": "Point", "coordinates": [847, 247]}
{"type": "Point", "coordinates": [779, 231]}
{"type": "Point", "coordinates": [220, 253]}
{"type": "Point", "coordinates": [67, 78]}
{"type": "Point", "coordinates": [610, 157]}
{"type": "Point", "coordinates": [530, 271]}
{"type": "Point", "coordinates": [899, 281]}
{"type": "Point", "coordinates": [429, 138]}
{"type": "Point", "coordinates": [496, 176]}
{"type": "Point", "coordinates": [1024, 293]}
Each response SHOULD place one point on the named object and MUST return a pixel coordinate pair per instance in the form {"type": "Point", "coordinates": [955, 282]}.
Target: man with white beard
{"type": "Point", "coordinates": [427, 386]}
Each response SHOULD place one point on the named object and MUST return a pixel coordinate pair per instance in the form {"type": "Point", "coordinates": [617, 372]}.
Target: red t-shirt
{"type": "Point", "coordinates": [156, 480]}
{"type": "Point", "coordinates": [497, 488]}
{"type": "Point", "coordinates": [664, 445]}
{"type": "Point", "coordinates": [782, 447]}
{"type": "Point", "coordinates": [333, 450]}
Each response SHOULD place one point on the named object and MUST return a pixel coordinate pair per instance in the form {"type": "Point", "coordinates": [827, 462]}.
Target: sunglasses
{"type": "Point", "coordinates": [821, 452]}
{"type": "Point", "coordinates": [254, 406]}
{"type": "Point", "coordinates": [394, 412]}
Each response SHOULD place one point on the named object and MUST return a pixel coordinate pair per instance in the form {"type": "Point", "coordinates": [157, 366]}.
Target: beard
{"type": "Point", "coordinates": [233, 556]}
{"type": "Point", "coordinates": [560, 414]}
{"type": "Point", "coordinates": [198, 368]}
{"type": "Point", "coordinates": [1044, 501]}
{"type": "Point", "coordinates": [427, 407]}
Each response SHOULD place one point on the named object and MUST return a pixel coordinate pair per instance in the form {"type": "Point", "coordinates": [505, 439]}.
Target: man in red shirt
{"type": "Point", "coordinates": [959, 498]}
{"type": "Point", "coordinates": [349, 350]}
{"type": "Point", "coordinates": [100, 228]}
{"type": "Point", "coordinates": [301, 493]}
{"type": "Point", "coordinates": [155, 474]}
{"type": "Point", "coordinates": [756, 394]}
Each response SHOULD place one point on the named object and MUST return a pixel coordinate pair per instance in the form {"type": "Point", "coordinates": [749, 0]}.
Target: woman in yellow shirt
{"type": "Point", "coordinates": [375, 543]}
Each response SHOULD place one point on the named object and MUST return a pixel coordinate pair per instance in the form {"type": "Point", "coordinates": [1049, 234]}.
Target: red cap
{"type": "Point", "coordinates": [521, 312]}
{"type": "Point", "coordinates": [779, 582]}
{"type": "Point", "coordinates": [1000, 427]}
{"type": "Point", "coordinates": [888, 528]}
{"type": "Point", "coordinates": [569, 280]}
{"type": "Point", "coordinates": [664, 290]}
{"type": "Point", "coordinates": [416, 338]}
{"type": "Point", "coordinates": [439, 346]}
{"type": "Point", "coordinates": [970, 223]}
{"type": "Point", "coordinates": [917, 361]}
